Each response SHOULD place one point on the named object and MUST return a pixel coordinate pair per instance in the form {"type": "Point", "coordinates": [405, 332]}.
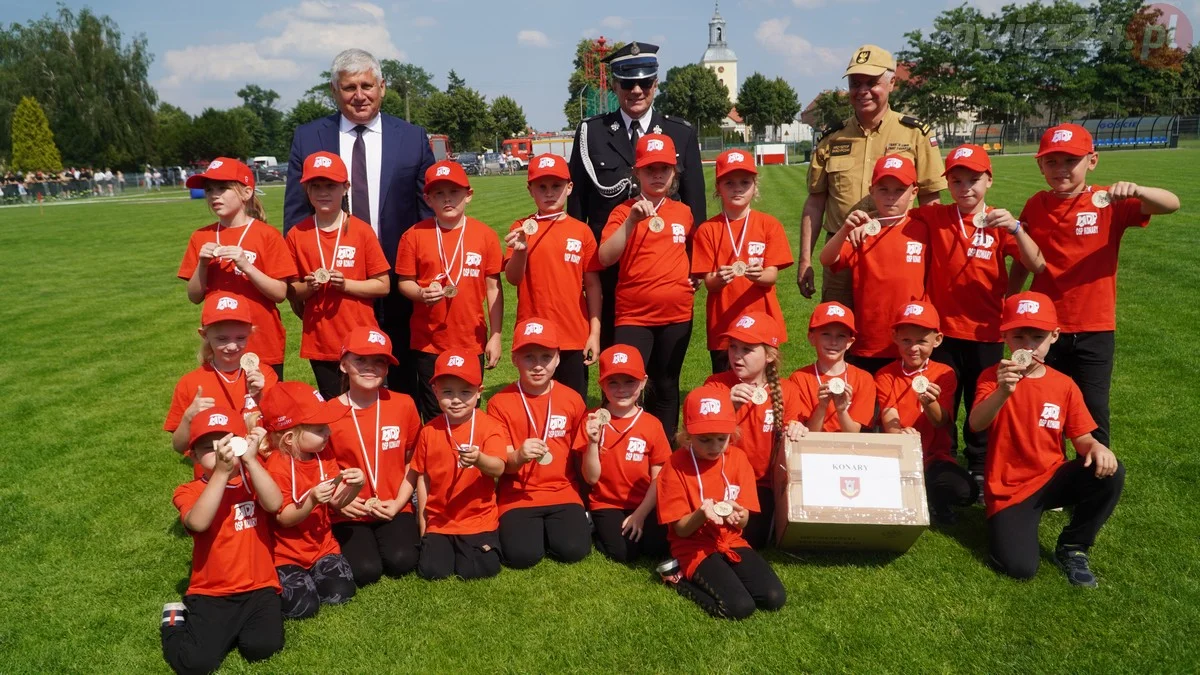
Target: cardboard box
{"type": "Point", "coordinates": [850, 491]}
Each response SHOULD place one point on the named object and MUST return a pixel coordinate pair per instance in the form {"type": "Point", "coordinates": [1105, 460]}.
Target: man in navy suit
{"type": "Point", "coordinates": [387, 158]}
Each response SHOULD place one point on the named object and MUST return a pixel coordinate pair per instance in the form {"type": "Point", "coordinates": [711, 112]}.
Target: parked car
{"type": "Point", "coordinates": [470, 162]}
{"type": "Point", "coordinates": [491, 162]}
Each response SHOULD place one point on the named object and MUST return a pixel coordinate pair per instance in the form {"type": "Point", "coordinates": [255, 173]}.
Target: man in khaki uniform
{"type": "Point", "coordinates": [840, 174]}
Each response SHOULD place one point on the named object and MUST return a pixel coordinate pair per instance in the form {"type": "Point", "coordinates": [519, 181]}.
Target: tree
{"type": "Point", "coordinates": [579, 85]}
{"type": "Point", "coordinates": [33, 146]}
{"type": "Point", "coordinates": [267, 135]}
{"type": "Point", "coordinates": [508, 118]}
{"type": "Point", "coordinates": [221, 133]}
{"type": "Point", "coordinates": [307, 109]}
{"type": "Point", "coordinates": [1189, 93]}
{"type": "Point", "coordinates": [463, 116]}
{"type": "Point", "coordinates": [91, 83]}
{"type": "Point", "coordinates": [255, 132]}
{"type": "Point", "coordinates": [407, 78]}
{"type": "Point", "coordinates": [694, 93]}
{"type": "Point", "coordinates": [828, 108]}
{"type": "Point", "coordinates": [764, 102]}
{"type": "Point", "coordinates": [172, 135]}
{"type": "Point", "coordinates": [454, 82]}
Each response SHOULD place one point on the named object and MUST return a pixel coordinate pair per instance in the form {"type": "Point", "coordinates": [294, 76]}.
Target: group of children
{"type": "Point", "coordinates": [351, 486]}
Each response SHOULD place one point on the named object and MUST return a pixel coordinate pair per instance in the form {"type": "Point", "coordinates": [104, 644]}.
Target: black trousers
{"type": "Point", "coordinates": [663, 349]}
{"type": "Point", "coordinates": [329, 378]}
{"type": "Point", "coordinates": [720, 360]}
{"type": "Point", "coordinates": [278, 368]}
{"type": "Point", "coordinates": [393, 313]}
{"type": "Point", "coordinates": [1013, 532]}
{"type": "Point", "coordinates": [608, 301]}
{"type": "Point", "coordinates": [468, 556]}
{"type": "Point", "coordinates": [571, 371]}
{"type": "Point", "coordinates": [619, 547]}
{"type": "Point", "coordinates": [1087, 358]}
{"type": "Point", "coordinates": [329, 581]}
{"type": "Point", "coordinates": [733, 590]}
{"type": "Point", "coordinates": [871, 364]}
{"type": "Point", "coordinates": [252, 621]}
{"type": "Point", "coordinates": [758, 529]}
{"type": "Point", "coordinates": [382, 547]}
{"type": "Point", "coordinates": [528, 534]}
{"type": "Point", "coordinates": [425, 399]}
{"type": "Point", "coordinates": [947, 484]}
{"type": "Point", "coordinates": [969, 358]}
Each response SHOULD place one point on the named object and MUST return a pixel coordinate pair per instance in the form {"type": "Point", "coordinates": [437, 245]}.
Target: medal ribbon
{"type": "Point", "coordinates": [529, 412]}
{"type": "Point", "coordinates": [458, 252]}
{"type": "Point", "coordinates": [737, 248]}
{"type": "Point", "coordinates": [245, 231]}
{"type": "Point", "coordinates": [621, 434]}
{"type": "Point", "coordinates": [362, 445]}
{"type": "Point", "coordinates": [336, 242]}
{"type": "Point", "coordinates": [722, 547]}
{"type": "Point", "coordinates": [450, 434]}
{"type": "Point", "coordinates": [320, 467]}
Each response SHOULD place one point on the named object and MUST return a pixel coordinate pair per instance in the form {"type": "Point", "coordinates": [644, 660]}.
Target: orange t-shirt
{"type": "Point", "coordinates": [679, 495]}
{"type": "Point", "coordinates": [757, 423]}
{"type": "Point", "coordinates": [1080, 243]}
{"type": "Point", "coordinates": [396, 434]}
{"type": "Point", "coordinates": [459, 322]}
{"type": "Point", "coordinates": [265, 248]}
{"type": "Point", "coordinates": [653, 285]}
{"type": "Point", "coordinates": [629, 447]}
{"type": "Point", "coordinates": [760, 238]}
{"type": "Point", "coordinates": [312, 538]}
{"type": "Point", "coordinates": [894, 389]}
{"type": "Point", "coordinates": [461, 500]}
{"type": "Point", "coordinates": [967, 278]}
{"type": "Point", "coordinates": [862, 404]}
{"type": "Point", "coordinates": [230, 394]}
{"type": "Point", "coordinates": [1025, 441]}
{"type": "Point", "coordinates": [329, 314]}
{"type": "Point", "coordinates": [556, 259]}
{"type": "Point", "coordinates": [234, 554]}
{"type": "Point", "coordinates": [889, 271]}
{"type": "Point", "coordinates": [534, 484]}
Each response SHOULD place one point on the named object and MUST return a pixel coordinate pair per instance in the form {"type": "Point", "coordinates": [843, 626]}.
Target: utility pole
{"type": "Point", "coordinates": [407, 115]}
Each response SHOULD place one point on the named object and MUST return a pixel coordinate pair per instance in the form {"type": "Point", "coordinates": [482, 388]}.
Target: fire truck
{"type": "Point", "coordinates": [531, 146]}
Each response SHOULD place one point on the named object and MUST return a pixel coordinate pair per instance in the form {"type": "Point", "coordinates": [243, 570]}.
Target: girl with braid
{"type": "Point", "coordinates": [767, 409]}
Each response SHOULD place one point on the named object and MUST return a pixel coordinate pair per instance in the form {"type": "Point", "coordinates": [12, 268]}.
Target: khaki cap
{"type": "Point", "coordinates": [870, 60]}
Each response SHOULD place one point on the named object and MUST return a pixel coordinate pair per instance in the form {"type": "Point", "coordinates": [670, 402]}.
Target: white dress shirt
{"type": "Point", "coordinates": [643, 121]}
{"type": "Point", "coordinates": [373, 141]}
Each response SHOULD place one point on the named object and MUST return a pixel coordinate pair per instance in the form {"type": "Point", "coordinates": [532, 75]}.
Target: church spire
{"type": "Point", "coordinates": [716, 27]}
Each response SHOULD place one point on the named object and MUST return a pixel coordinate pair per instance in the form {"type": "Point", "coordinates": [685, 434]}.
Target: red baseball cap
{"type": "Point", "coordinates": [918, 313]}
{"type": "Point", "coordinates": [460, 364]}
{"type": "Point", "coordinates": [654, 149]}
{"type": "Point", "coordinates": [970, 157]}
{"type": "Point", "coordinates": [831, 312]}
{"type": "Point", "coordinates": [899, 167]}
{"type": "Point", "coordinates": [369, 341]}
{"type": "Point", "coordinates": [1029, 310]}
{"type": "Point", "coordinates": [288, 404]}
{"type": "Point", "coordinates": [222, 169]}
{"type": "Point", "coordinates": [622, 360]}
{"type": "Point", "coordinates": [735, 160]}
{"type": "Point", "coordinates": [1070, 139]}
{"type": "Point", "coordinates": [324, 165]}
{"type": "Point", "coordinates": [225, 307]}
{"type": "Point", "coordinates": [709, 410]}
{"type": "Point", "coordinates": [548, 165]}
{"type": "Point", "coordinates": [217, 419]}
{"type": "Point", "coordinates": [535, 331]}
{"type": "Point", "coordinates": [755, 328]}
{"type": "Point", "coordinates": [446, 170]}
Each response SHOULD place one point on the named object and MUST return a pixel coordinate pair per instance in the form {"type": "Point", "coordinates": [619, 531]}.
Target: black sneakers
{"type": "Point", "coordinates": [174, 614]}
{"type": "Point", "coordinates": [1074, 563]}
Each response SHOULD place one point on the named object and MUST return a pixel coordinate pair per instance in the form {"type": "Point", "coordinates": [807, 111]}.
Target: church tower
{"type": "Point", "coordinates": [719, 57]}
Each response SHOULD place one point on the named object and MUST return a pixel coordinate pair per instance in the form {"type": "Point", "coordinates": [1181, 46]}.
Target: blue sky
{"type": "Point", "coordinates": [522, 48]}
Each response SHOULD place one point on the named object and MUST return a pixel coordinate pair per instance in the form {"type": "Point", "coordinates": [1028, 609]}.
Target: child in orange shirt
{"type": "Point", "coordinates": [233, 595]}
{"type": "Point", "coordinates": [556, 271]}
{"type": "Point", "coordinates": [310, 564]}
{"type": "Point", "coordinates": [449, 266]}
{"type": "Point", "coordinates": [651, 238]}
{"type": "Point", "coordinates": [739, 270]}
{"type": "Point", "coordinates": [377, 436]}
{"type": "Point", "coordinates": [916, 396]}
{"type": "Point", "coordinates": [540, 508]}
{"type": "Point", "coordinates": [834, 395]}
{"type": "Point", "coordinates": [621, 459]}
{"type": "Point", "coordinates": [251, 260]}
{"type": "Point", "coordinates": [225, 328]}
{"type": "Point", "coordinates": [887, 256]}
{"type": "Point", "coordinates": [706, 494]}
{"type": "Point", "coordinates": [760, 398]}
{"type": "Point", "coordinates": [1079, 229]}
{"type": "Point", "coordinates": [1030, 409]}
{"type": "Point", "coordinates": [455, 464]}
{"type": "Point", "coordinates": [341, 267]}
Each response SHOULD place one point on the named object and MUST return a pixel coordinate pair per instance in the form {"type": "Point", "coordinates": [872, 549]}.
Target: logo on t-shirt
{"type": "Point", "coordinates": [249, 403]}
{"type": "Point", "coordinates": [732, 492]}
{"type": "Point", "coordinates": [1087, 222]}
{"type": "Point", "coordinates": [389, 437]}
{"type": "Point", "coordinates": [1050, 414]}
{"type": "Point", "coordinates": [678, 233]}
{"type": "Point", "coordinates": [769, 421]}
{"type": "Point", "coordinates": [251, 257]}
{"type": "Point", "coordinates": [243, 516]}
{"type": "Point", "coordinates": [635, 451]}
{"type": "Point", "coordinates": [912, 251]}
{"type": "Point", "coordinates": [574, 246]}
{"type": "Point", "coordinates": [474, 260]}
{"type": "Point", "coordinates": [344, 256]}
{"type": "Point", "coordinates": [756, 248]}
{"type": "Point", "coordinates": [981, 245]}
{"type": "Point", "coordinates": [558, 426]}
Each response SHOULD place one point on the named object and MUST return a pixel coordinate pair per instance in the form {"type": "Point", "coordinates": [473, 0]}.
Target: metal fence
{"type": "Point", "coordinates": [711, 146]}
{"type": "Point", "coordinates": [14, 192]}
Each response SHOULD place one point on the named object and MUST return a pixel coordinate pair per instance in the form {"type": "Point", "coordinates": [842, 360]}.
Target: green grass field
{"type": "Point", "coordinates": [97, 330]}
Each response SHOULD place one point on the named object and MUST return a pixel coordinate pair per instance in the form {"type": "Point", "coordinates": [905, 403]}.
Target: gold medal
{"type": "Point", "coordinates": [657, 224]}
{"type": "Point", "coordinates": [529, 227]}
{"type": "Point", "coordinates": [1101, 199]}
{"type": "Point", "coordinates": [1022, 358]}
{"type": "Point", "coordinates": [920, 384]}
{"type": "Point", "coordinates": [238, 445]}
{"type": "Point", "coordinates": [321, 275]}
{"type": "Point", "coordinates": [545, 459]}
{"type": "Point", "coordinates": [837, 386]}
{"type": "Point", "coordinates": [980, 220]}
{"type": "Point", "coordinates": [249, 361]}
{"type": "Point", "coordinates": [435, 286]}
{"type": "Point", "coordinates": [723, 509]}
{"type": "Point", "coordinates": [602, 416]}
{"type": "Point", "coordinates": [760, 396]}
{"type": "Point", "coordinates": [372, 502]}
{"type": "Point", "coordinates": [739, 268]}
{"type": "Point", "coordinates": [450, 291]}
{"type": "Point", "coordinates": [873, 227]}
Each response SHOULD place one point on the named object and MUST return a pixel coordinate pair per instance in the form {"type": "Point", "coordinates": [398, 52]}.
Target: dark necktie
{"type": "Point", "coordinates": [635, 132]}
{"type": "Point", "coordinates": [360, 201]}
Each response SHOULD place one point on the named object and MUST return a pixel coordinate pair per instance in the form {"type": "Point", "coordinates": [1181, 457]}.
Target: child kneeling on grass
{"type": "Point", "coordinates": [1028, 408]}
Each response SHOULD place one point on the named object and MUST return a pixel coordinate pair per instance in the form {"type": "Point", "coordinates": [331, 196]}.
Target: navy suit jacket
{"type": "Point", "coordinates": [406, 156]}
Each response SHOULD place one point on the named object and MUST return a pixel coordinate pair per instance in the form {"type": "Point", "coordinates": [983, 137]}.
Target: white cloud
{"type": "Point", "coordinates": [533, 38]}
{"type": "Point", "coordinates": [238, 61]}
{"type": "Point", "coordinates": [796, 51]}
{"type": "Point", "coordinates": [615, 22]}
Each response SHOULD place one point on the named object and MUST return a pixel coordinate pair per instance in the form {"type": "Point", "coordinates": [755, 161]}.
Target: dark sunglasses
{"type": "Point", "coordinates": [644, 83]}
